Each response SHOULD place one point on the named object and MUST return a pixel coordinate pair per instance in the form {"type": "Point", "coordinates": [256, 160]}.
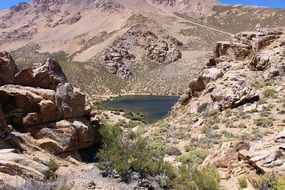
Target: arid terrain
{"type": "Point", "coordinates": [97, 42]}
{"type": "Point", "coordinates": [59, 58]}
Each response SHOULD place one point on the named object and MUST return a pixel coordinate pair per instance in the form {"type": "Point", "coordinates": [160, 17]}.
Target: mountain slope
{"type": "Point", "coordinates": [78, 32]}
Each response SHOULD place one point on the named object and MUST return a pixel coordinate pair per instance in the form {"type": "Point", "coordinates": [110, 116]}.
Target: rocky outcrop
{"type": "Point", "coordinates": [236, 98]}
{"type": "Point", "coordinates": [8, 68]}
{"type": "Point", "coordinates": [48, 75]}
{"type": "Point", "coordinates": [200, 84]}
{"type": "Point", "coordinates": [139, 42]}
{"type": "Point", "coordinates": [238, 92]}
{"type": "Point", "coordinates": [43, 103]}
{"type": "Point", "coordinates": [222, 84]}
{"type": "Point", "coordinates": [114, 64]}
{"type": "Point", "coordinates": [247, 158]}
{"type": "Point", "coordinates": [74, 19]}
{"type": "Point", "coordinates": [245, 44]}
{"type": "Point", "coordinates": [197, 8]}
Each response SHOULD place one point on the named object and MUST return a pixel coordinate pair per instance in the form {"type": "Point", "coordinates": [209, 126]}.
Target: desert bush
{"type": "Point", "coordinates": [264, 122]}
{"type": "Point", "coordinates": [278, 183]}
{"type": "Point", "coordinates": [269, 92]}
{"type": "Point", "coordinates": [193, 178]}
{"type": "Point", "coordinates": [242, 183]}
{"type": "Point", "coordinates": [131, 152]}
{"type": "Point", "coordinates": [195, 156]}
{"type": "Point", "coordinates": [173, 151]}
{"type": "Point", "coordinates": [134, 116]}
{"type": "Point", "coordinates": [268, 181]}
{"type": "Point", "coordinates": [53, 165]}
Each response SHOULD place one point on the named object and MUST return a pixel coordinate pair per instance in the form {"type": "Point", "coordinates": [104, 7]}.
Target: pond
{"type": "Point", "coordinates": [153, 107]}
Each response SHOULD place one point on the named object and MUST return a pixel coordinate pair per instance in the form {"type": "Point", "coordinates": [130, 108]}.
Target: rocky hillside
{"type": "Point", "coordinates": [79, 33]}
{"type": "Point", "coordinates": [197, 8]}
{"type": "Point", "coordinates": [234, 110]}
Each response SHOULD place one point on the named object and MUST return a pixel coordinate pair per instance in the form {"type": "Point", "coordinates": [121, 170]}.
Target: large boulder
{"type": "Point", "coordinates": [227, 155]}
{"type": "Point", "coordinates": [28, 105]}
{"type": "Point", "coordinates": [70, 100]}
{"type": "Point", "coordinates": [8, 68]}
{"type": "Point", "coordinates": [234, 95]}
{"type": "Point", "coordinates": [206, 76]}
{"type": "Point", "coordinates": [260, 62]}
{"type": "Point", "coordinates": [65, 136]}
{"type": "Point", "coordinates": [222, 48]}
{"type": "Point", "coordinates": [17, 171]}
{"type": "Point", "coordinates": [48, 75]}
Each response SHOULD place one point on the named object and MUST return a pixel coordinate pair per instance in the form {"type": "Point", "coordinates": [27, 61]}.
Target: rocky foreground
{"type": "Point", "coordinates": [235, 108]}
{"type": "Point", "coordinates": [42, 116]}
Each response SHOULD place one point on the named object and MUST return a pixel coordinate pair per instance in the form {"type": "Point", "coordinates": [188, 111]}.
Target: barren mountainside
{"type": "Point", "coordinates": [81, 31]}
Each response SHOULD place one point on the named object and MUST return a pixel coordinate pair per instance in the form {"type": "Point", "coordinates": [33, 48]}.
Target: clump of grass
{"type": "Point", "coordinates": [242, 183]}
{"type": "Point", "coordinates": [53, 165]}
{"type": "Point", "coordinates": [278, 183]}
{"type": "Point", "coordinates": [195, 156]}
{"type": "Point", "coordinates": [192, 178]}
{"type": "Point", "coordinates": [269, 92]}
{"type": "Point", "coordinates": [264, 122]}
{"type": "Point", "coordinates": [269, 181]}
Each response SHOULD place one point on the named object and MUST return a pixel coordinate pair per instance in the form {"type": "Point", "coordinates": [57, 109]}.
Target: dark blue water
{"type": "Point", "coordinates": [153, 107]}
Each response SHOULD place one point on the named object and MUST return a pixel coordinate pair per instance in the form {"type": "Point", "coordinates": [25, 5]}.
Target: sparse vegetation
{"type": "Point", "coordinates": [53, 165]}
{"type": "Point", "coordinates": [242, 183]}
{"type": "Point", "coordinates": [127, 153]}
{"type": "Point", "coordinates": [269, 92]}
{"type": "Point", "coordinates": [271, 181]}
{"type": "Point", "coordinates": [192, 178]}
{"type": "Point", "coordinates": [195, 156]}
{"type": "Point", "coordinates": [264, 122]}
{"type": "Point", "coordinates": [130, 152]}
{"type": "Point", "coordinates": [134, 116]}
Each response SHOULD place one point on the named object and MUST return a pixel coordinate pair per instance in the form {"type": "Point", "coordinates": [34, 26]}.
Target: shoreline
{"type": "Point", "coordinates": [102, 98]}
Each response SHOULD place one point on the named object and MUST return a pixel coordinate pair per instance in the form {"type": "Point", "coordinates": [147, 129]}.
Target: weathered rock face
{"type": "Point", "coordinates": [245, 43]}
{"type": "Point", "coordinates": [238, 92]}
{"type": "Point", "coordinates": [8, 68]}
{"type": "Point", "coordinates": [138, 42]}
{"type": "Point", "coordinates": [229, 86]}
{"type": "Point", "coordinates": [200, 84]}
{"type": "Point", "coordinates": [247, 158]}
{"type": "Point", "coordinates": [113, 59]}
{"type": "Point", "coordinates": [48, 75]}
{"type": "Point", "coordinates": [43, 103]}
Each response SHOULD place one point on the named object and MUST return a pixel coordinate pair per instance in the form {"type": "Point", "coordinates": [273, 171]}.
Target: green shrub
{"type": "Point", "coordinates": [134, 116]}
{"type": "Point", "coordinates": [131, 152]}
{"type": "Point", "coordinates": [202, 108]}
{"type": "Point", "coordinates": [207, 178]}
{"type": "Point", "coordinates": [192, 178]}
{"type": "Point", "coordinates": [264, 122]}
{"type": "Point", "coordinates": [52, 164]}
{"type": "Point", "coordinates": [242, 183]}
{"type": "Point", "coordinates": [195, 156]}
{"type": "Point", "coordinates": [269, 92]}
{"type": "Point", "coordinates": [278, 183]}
{"type": "Point", "coordinates": [173, 151]}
